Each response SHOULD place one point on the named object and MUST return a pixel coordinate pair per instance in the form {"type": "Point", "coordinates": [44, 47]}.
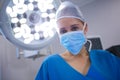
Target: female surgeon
{"type": "Point", "coordinates": [76, 63]}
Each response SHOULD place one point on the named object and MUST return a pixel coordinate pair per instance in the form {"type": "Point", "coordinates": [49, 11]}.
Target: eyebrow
{"type": "Point", "coordinates": [70, 26]}
{"type": "Point", "coordinates": [74, 25]}
{"type": "Point", "coordinates": [62, 28]}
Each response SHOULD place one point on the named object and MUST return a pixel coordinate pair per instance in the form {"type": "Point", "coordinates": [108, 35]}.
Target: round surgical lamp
{"type": "Point", "coordinates": [28, 24]}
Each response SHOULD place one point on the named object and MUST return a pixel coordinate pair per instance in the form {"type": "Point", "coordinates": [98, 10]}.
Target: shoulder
{"type": "Point", "coordinates": [47, 65]}
{"type": "Point", "coordinates": [103, 55]}
{"type": "Point", "coordinates": [51, 58]}
{"type": "Point", "coordinates": [106, 62]}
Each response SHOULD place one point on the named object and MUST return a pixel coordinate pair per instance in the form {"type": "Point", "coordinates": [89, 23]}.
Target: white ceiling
{"type": "Point", "coordinates": [77, 2]}
{"type": "Point", "coordinates": [80, 3]}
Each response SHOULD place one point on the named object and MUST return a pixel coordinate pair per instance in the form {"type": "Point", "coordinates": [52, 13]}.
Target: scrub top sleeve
{"type": "Point", "coordinates": [118, 67]}
{"type": "Point", "coordinates": [116, 63]}
{"type": "Point", "coordinates": [42, 73]}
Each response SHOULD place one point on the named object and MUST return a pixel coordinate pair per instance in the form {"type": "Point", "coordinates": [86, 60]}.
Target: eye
{"type": "Point", "coordinates": [62, 31]}
{"type": "Point", "coordinates": [74, 28]}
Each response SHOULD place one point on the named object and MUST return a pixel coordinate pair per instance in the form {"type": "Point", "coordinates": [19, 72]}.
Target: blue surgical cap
{"type": "Point", "coordinates": [69, 10]}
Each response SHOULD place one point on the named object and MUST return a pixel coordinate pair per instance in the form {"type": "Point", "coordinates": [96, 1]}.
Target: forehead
{"type": "Point", "coordinates": [66, 22]}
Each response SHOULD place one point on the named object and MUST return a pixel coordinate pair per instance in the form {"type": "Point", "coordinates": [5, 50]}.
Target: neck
{"type": "Point", "coordinates": [83, 52]}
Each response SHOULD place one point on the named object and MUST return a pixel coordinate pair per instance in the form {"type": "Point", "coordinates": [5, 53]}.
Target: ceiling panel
{"type": "Point", "coordinates": [80, 3]}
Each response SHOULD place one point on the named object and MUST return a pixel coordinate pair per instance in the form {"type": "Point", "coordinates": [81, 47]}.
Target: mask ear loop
{"type": "Point", "coordinates": [90, 46]}
{"type": "Point", "coordinates": [84, 26]}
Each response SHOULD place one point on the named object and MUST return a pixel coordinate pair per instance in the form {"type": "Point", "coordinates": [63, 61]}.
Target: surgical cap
{"type": "Point", "coordinates": [69, 10]}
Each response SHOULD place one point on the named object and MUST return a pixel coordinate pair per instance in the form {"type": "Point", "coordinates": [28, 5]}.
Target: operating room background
{"type": "Point", "coordinates": [103, 17]}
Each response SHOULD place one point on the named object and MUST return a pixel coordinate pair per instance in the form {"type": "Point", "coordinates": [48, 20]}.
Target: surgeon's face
{"type": "Point", "coordinates": [70, 24]}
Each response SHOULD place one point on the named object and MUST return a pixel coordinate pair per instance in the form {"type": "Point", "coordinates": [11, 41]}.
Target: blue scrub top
{"type": "Point", "coordinates": [104, 66]}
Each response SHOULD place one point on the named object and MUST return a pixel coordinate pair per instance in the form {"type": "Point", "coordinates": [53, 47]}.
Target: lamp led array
{"type": "Point", "coordinates": [32, 20]}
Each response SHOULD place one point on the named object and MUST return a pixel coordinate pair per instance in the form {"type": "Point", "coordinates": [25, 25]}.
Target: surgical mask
{"type": "Point", "coordinates": [73, 41]}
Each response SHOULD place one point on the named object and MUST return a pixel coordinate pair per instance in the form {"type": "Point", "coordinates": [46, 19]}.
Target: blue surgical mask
{"type": "Point", "coordinates": [73, 41]}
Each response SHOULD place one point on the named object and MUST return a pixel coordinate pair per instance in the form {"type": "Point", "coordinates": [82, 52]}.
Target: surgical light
{"type": "Point", "coordinates": [30, 24]}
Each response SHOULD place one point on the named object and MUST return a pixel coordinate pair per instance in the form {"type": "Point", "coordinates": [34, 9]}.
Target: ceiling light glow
{"type": "Point", "coordinates": [31, 20]}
